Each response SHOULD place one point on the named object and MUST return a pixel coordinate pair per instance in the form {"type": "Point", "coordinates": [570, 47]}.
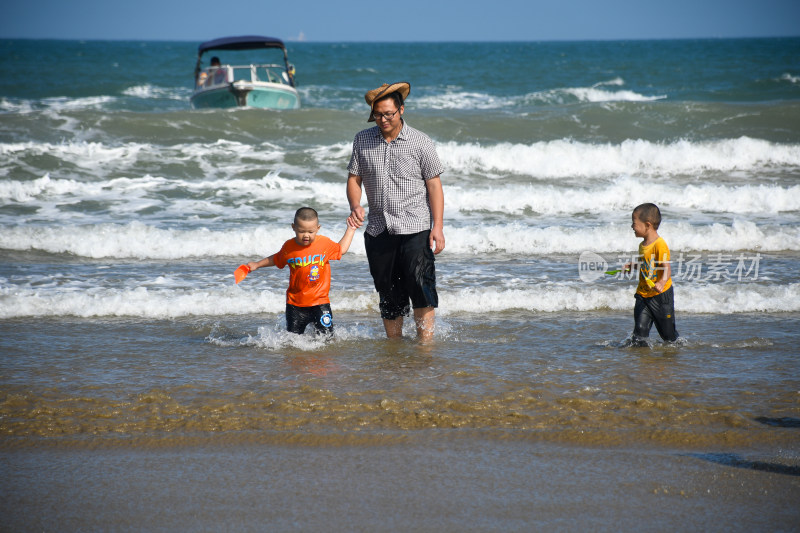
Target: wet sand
{"type": "Point", "coordinates": [428, 482]}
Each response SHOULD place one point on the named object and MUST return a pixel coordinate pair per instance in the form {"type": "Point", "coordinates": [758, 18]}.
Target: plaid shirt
{"type": "Point", "coordinates": [394, 175]}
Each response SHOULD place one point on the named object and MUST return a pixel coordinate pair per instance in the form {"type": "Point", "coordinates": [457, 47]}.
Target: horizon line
{"type": "Point", "coordinates": [447, 41]}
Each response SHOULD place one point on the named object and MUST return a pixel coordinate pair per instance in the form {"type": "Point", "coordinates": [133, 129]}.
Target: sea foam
{"type": "Point", "coordinates": [142, 241]}
{"type": "Point", "coordinates": [513, 198]}
{"type": "Point", "coordinates": [558, 159]}
{"type": "Point", "coordinates": [458, 98]}
{"type": "Point", "coordinates": [519, 239]}
{"type": "Point", "coordinates": [224, 300]}
{"type": "Point", "coordinates": [621, 195]}
{"type": "Point", "coordinates": [154, 92]}
{"type": "Point", "coordinates": [572, 159]}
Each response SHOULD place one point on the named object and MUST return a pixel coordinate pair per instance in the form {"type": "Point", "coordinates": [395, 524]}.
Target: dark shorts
{"type": "Point", "coordinates": [297, 318]}
{"type": "Point", "coordinates": [660, 309]}
{"type": "Point", "coordinates": [403, 269]}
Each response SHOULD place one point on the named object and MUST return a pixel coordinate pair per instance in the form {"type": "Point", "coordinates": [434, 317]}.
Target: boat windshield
{"type": "Point", "coordinates": [264, 73]}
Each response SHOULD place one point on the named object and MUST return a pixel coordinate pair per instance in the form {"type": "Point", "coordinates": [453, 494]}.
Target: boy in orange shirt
{"type": "Point", "coordinates": [655, 301]}
{"type": "Point", "coordinates": [308, 256]}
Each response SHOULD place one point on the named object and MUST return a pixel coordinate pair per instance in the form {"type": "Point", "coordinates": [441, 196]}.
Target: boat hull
{"type": "Point", "coordinates": [263, 96]}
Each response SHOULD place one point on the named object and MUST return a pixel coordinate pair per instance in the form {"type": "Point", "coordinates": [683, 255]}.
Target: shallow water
{"type": "Point", "coordinates": [155, 381]}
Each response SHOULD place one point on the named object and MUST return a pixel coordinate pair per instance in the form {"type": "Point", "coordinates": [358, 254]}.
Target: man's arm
{"type": "Point", "coordinates": [354, 199]}
{"type": "Point", "coordinates": [436, 199]}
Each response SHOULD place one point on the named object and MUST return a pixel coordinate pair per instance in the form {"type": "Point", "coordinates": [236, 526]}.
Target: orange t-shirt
{"type": "Point", "coordinates": [651, 263]}
{"type": "Point", "coordinates": [310, 275]}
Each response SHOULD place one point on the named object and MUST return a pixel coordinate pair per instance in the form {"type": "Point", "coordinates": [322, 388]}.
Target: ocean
{"type": "Point", "coordinates": [142, 389]}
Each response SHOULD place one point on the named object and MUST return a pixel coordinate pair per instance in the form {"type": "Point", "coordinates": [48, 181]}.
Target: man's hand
{"type": "Point", "coordinates": [356, 217]}
{"type": "Point", "coordinates": [436, 240]}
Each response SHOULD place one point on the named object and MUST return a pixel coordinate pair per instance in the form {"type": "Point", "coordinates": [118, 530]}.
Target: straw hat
{"type": "Point", "coordinates": [402, 87]}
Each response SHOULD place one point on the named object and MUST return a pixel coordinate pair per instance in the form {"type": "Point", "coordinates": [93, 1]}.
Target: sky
{"type": "Point", "coordinates": [408, 20]}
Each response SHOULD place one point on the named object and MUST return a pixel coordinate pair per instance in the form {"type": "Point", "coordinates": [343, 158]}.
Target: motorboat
{"type": "Point", "coordinates": [249, 84]}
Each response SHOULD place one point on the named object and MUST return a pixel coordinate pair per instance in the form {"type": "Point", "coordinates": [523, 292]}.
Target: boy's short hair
{"type": "Point", "coordinates": [648, 213]}
{"type": "Point", "coordinates": [306, 213]}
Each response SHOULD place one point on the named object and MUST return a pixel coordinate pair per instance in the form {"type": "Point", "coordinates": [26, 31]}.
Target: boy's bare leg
{"type": "Point", "coordinates": [393, 327]}
{"type": "Point", "coordinates": [425, 318]}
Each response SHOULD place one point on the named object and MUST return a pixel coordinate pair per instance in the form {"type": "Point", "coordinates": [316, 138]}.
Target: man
{"type": "Point", "coordinates": [399, 169]}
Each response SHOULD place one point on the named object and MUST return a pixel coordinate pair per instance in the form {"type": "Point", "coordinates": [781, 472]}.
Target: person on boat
{"type": "Point", "coordinates": [217, 73]}
{"type": "Point", "coordinates": [204, 79]}
{"type": "Point", "coordinates": [400, 170]}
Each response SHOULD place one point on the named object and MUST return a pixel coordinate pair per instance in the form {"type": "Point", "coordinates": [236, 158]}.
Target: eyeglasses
{"type": "Point", "coordinates": [384, 116]}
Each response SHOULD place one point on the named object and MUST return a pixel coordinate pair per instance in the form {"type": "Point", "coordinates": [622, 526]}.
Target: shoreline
{"type": "Point", "coordinates": [783, 434]}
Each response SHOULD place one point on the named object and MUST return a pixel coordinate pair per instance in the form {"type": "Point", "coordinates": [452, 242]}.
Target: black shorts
{"type": "Point", "coordinates": [297, 318]}
{"type": "Point", "coordinates": [659, 309]}
{"type": "Point", "coordinates": [403, 269]}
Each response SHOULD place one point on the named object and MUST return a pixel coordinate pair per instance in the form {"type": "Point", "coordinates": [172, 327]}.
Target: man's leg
{"type": "Point", "coordinates": [382, 254]}
{"type": "Point", "coordinates": [425, 319]}
{"type": "Point", "coordinates": [393, 327]}
{"type": "Point", "coordinates": [419, 270]}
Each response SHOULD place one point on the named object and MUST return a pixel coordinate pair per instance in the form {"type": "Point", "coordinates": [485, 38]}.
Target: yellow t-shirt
{"type": "Point", "coordinates": [651, 259]}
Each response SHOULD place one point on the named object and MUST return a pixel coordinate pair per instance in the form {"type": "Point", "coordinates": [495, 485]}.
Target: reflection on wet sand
{"type": "Point", "coordinates": [784, 422]}
{"type": "Point", "coordinates": [315, 365]}
{"type": "Point", "coordinates": [732, 459]}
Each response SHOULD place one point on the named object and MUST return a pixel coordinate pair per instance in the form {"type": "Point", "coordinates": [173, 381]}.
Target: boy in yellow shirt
{"type": "Point", "coordinates": [654, 296]}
